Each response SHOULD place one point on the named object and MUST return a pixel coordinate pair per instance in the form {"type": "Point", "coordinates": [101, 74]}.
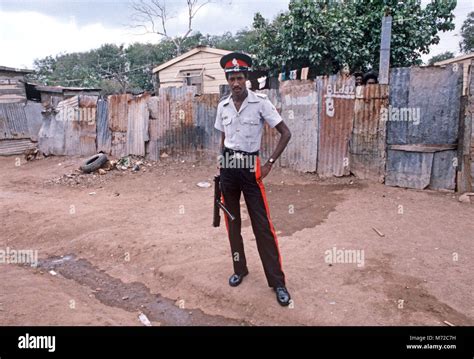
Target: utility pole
{"type": "Point", "coordinates": [384, 63]}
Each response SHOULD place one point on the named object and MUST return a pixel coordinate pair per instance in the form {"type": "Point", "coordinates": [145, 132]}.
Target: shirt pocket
{"type": "Point", "coordinates": [250, 121]}
{"type": "Point", "coordinates": [226, 120]}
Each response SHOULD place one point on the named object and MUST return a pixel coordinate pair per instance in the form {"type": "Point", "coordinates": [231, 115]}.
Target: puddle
{"type": "Point", "coordinates": [296, 207]}
{"type": "Point", "coordinates": [132, 297]}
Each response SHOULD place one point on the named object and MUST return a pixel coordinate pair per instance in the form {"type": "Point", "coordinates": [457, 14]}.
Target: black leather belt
{"type": "Point", "coordinates": [231, 151]}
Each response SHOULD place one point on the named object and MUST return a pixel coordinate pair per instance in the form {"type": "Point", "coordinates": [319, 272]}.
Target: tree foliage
{"type": "Point", "coordinates": [467, 34]}
{"type": "Point", "coordinates": [441, 57]}
{"type": "Point", "coordinates": [119, 69]}
{"type": "Point", "coordinates": [326, 34]}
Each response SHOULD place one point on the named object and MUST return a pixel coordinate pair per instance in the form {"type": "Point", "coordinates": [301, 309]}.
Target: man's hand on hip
{"type": "Point", "coordinates": [265, 170]}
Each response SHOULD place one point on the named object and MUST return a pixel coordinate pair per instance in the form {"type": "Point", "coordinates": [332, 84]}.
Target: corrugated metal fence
{"type": "Point", "coordinates": [405, 134]}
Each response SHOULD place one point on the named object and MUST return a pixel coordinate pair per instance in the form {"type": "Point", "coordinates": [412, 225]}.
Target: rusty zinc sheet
{"type": "Point", "coordinates": [337, 98]}
{"type": "Point", "coordinates": [34, 118]}
{"type": "Point", "coordinates": [422, 131]}
{"type": "Point", "coordinates": [119, 144]}
{"type": "Point", "coordinates": [207, 138]}
{"type": "Point", "coordinates": [15, 146]}
{"type": "Point", "coordinates": [13, 121]}
{"type": "Point", "coordinates": [176, 130]}
{"type": "Point", "coordinates": [300, 111]}
{"type": "Point", "coordinates": [367, 145]}
{"type": "Point", "coordinates": [80, 134]}
{"type": "Point", "coordinates": [137, 128]}
{"type": "Point", "coordinates": [270, 136]}
{"type": "Point", "coordinates": [158, 125]}
{"type": "Point", "coordinates": [71, 128]}
{"type": "Point", "coordinates": [104, 135]}
{"type": "Point", "coordinates": [118, 112]}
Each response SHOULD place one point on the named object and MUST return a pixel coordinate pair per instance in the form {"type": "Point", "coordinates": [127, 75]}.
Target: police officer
{"type": "Point", "coordinates": [240, 118]}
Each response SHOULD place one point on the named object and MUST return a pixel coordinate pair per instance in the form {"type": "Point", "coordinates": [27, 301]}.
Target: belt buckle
{"type": "Point", "coordinates": [238, 156]}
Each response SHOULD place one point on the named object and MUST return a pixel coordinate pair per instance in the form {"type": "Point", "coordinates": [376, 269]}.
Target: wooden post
{"type": "Point", "coordinates": [384, 66]}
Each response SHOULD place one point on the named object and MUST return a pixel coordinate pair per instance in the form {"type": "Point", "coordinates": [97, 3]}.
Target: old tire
{"type": "Point", "coordinates": [94, 163]}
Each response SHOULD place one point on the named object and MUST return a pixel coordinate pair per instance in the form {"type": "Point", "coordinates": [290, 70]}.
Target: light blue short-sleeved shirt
{"type": "Point", "coordinates": [243, 129]}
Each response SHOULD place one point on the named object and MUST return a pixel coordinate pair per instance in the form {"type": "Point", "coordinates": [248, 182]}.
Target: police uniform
{"type": "Point", "coordinates": [243, 132]}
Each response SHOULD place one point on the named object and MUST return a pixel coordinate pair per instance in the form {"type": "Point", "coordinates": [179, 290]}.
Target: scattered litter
{"type": "Point", "coordinates": [102, 171]}
{"type": "Point", "coordinates": [124, 162]}
{"type": "Point", "coordinates": [125, 298]}
{"type": "Point", "coordinates": [164, 155]}
{"type": "Point", "coordinates": [378, 232]}
{"type": "Point", "coordinates": [144, 320]}
{"type": "Point", "coordinates": [53, 272]}
{"type": "Point", "coordinates": [466, 197]}
{"type": "Point", "coordinates": [136, 168]}
{"type": "Point", "coordinates": [204, 184]}
{"type": "Point", "coordinates": [448, 323]}
{"type": "Point", "coordinates": [62, 260]}
{"type": "Point", "coordinates": [92, 193]}
{"type": "Point", "coordinates": [332, 303]}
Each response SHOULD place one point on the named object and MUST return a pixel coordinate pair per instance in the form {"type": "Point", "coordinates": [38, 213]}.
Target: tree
{"type": "Point", "coordinates": [327, 34]}
{"type": "Point", "coordinates": [441, 57]}
{"type": "Point", "coordinates": [153, 17]}
{"type": "Point", "coordinates": [467, 34]}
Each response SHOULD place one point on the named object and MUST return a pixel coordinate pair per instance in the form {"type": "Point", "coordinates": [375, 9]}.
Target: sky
{"type": "Point", "coordinates": [38, 28]}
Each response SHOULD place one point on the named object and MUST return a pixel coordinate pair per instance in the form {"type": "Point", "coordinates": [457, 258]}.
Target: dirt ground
{"type": "Point", "coordinates": [125, 243]}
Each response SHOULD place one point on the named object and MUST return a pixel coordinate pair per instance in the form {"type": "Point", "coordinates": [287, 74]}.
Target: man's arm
{"type": "Point", "coordinates": [222, 141]}
{"type": "Point", "coordinates": [285, 137]}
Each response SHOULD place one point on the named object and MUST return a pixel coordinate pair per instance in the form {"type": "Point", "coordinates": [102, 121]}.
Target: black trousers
{"type": "Point", "coordinates": [235, 181]}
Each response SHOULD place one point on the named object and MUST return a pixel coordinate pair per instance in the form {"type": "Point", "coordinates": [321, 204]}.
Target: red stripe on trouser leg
{"type": "Point", "coordinates": [258, 176]}
{"type": "Point", "coordinates": [225, 217]}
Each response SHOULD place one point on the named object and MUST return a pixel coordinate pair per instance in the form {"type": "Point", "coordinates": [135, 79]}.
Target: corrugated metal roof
{"type": "Point", "coordinates": [337, 96]}
{"type": "Point", "coordinates": [191, 53]}
{"type": "Point", "coordinates": [61, 89]}
{"type": "Point", "coordinates": [13, 121]}
{"type": "Point", "coordinates": [367, 146]}
{"type": "Point", "coordinates": [14, 69]}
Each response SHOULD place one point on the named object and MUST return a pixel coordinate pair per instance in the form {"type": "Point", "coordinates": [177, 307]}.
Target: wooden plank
{"type": "Point", "coordinates": [422, 148]}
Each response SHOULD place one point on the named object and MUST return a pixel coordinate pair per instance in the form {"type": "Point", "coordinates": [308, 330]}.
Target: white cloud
{"type": "Point", "coordinates": [29, 35]}
{"type": "Point", "coordinates": [26, 35]}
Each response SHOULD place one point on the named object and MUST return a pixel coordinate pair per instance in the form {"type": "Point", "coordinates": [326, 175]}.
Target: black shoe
{"type": "Point", "coordinates": [236, 279]}
{"type": "Point", "coordinates": [283, 297]}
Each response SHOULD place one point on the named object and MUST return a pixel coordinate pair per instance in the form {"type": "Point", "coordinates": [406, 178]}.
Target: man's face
{"type": "Point", "coordinates": [371, 82]}
{"type": "Point", "coordinates": [237, 83]}
{"type": "Point", "coordinates": [358, 80]}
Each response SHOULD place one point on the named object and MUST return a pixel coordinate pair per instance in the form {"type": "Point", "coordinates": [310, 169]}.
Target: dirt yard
{"type": "Point", "coordinates": [115, 245]}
